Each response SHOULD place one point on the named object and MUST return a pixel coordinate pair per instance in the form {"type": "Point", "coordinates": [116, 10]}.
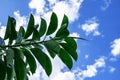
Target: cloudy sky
{"type": "Point", "coordinates": [96, 20]}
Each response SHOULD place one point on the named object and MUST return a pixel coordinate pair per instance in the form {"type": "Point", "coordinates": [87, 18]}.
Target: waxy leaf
{"type": "Point", "coordinates": [52, 47]}
{"type": "Point", "coordinates": [71, 42]}
{"type": "Point", "coordinates": [43, 27]}
{"type": "Point", "coordinates": [9, 56]}
{"type": "Point", "coordinates": [63, 31]}
{"type": "Point", "coordinates": [36, 35]}
{"type": "Point", "coordinates": [10, 73]}
{"type": "Point", "coordinates": [10, 30]}
{"type": "Point", "coordinates": [51, 52]}
{"type": "Point", "coordinates": [53, 24]}
{"type": "Point", "coordinates": [2, 70]}
{"type": "Point", "coordinates": [30, 59]}
{"type": "Point", "coordinates": [43, 59]}
{"type": "Point", "coordinates": [65, 57]}
{"type": "Point", "coordinates": [71, 51]}
{"type": "Point", "coordinates": [21, 34]}
{"type": "Point", "coordinates": [30, 27]}
{"type": "Point", "coordinates": [19, 65]}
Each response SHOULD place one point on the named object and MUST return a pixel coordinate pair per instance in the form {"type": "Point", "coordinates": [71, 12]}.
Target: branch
{"type": "Point", "coordinates": [22, 44]}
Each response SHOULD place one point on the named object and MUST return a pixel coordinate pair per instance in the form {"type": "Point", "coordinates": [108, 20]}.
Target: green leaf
{"type": "Point", "coordinates": [36, 35]}
{"type": "Point", "coordinates": [71, 42]}
{"type": "Point", "coordinates": [52, 47]}
{"type": "Point", "coordinates": [19, 65]}
{"type": "Point", "coordinates": [51, 52]}
{"type": "Point", "coordinates": [65, 57]}
{"type": "Point", "coordinates": [21, 34]}
{"type": "Point", "coordinates": [2, 70]}
{"type": "Point", "coordinates": [43, 59]}
{"type": "Point", "coordinates": [9, 56]}
{"type": "Point", "coordinates": [10, 30]}
{"type": "Point", "coordinates": [13, 33]}
{"type": "Point", "coordinates": [63, 31]}
{"type": "Point", "coordinates": [10, 73]}
{"type": "Point", "coordinates": [37, 46]}
{"type": "Point", "coordinates": [71, 51]}
{"type": "Point", "coordinates": [30, 59]}
{"type": "Point", "coordinates": [43, 27]}
{"type": "Point", "coordinates": [30, 27]}
{"type": "Point", "coordinates": [53, 24]}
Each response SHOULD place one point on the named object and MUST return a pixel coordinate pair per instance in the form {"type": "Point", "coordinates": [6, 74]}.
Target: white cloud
{"type": "Point", "coordinates": [91, 26]}
{"type": "Point", "coordinates": [20, 20]}
{"type": "Point", "coordinates": [106, 4]}
{"type": "Point", "coordinates": [57, 66]}
{"type": "Point", "coordinates": [2, 31]}
{"type": "Point", "coordinates": [75, 34]}
{"type": "Point", "coordinates": [113, 59]}
{"type": "Point", "coordinates": [86, 56]}
{"type": "Point", "coordinates": [76, 74]}
{"type": "Point", "coordinates": [38, 5]}
{"type": "Point", "coordinates": [64, 76]}
{"type": "Point", "coordinates": [112, 69]}
{"type": "Point", "coordinates": [69, 7]}
{"type": "Point", "coordinates": [91, 70]}
{"type": "Point", "coordinates": [36, 76]}
{"type": "Point", "coordinates": [115, 47]}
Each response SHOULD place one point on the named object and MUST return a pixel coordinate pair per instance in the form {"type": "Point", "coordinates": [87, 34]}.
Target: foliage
{"type": "Point", "coordinates": [18, 57]}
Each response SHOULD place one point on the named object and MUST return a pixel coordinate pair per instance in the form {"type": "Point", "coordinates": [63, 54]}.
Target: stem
{"type": "Point", "coordinates": [39, 42]}
{"type": "Point", "coordinates": [17, 45]}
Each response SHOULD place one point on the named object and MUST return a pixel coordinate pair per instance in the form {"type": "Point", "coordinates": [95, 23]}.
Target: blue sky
{"type": "Point", "coordinates": [95, 20]}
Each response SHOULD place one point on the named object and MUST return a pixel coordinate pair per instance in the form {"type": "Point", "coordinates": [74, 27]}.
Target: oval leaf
{"type": "Point", "coordinates": [63, 31]}
{"type": "Point", "coordinates": [19, 65]}
{"type": "Point", "coordinates": [43, 27]}
{"type": "Point", "coordinates": [71, 42]}
{"type": "Point", "coordinates": [70, 50]}
{"type": "Point", "coordinates": [65, 57]}
{"type": "Point", "coordinates": [2, 70]}
{"type": "Point", "coordinates": [30, 59]}
{"type": "Point", "coordinates": [53, 24]}
{"type": "Point", "coordinates": [30, 27]}
{"type": "Point", "coordinates": [52, 47]}
{"type": "Point", "coordinates": [43, 59]}
{"type": "Point", "coordinates": [10, 73]}
{"type": "Point", "coordinates": [36, 35]}
{"type": "Point", "coordinates": [10, 30]}
{"type": "Point", "coordinates": [21, 33]}
{"type": "Point", "coordinates": [9, 56]}
{"type": "Point", "coordinates": [13, 32]}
